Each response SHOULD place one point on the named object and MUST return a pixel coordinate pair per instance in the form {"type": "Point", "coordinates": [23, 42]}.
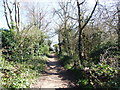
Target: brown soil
{"type": "Point", "coordinates": [55, 76]}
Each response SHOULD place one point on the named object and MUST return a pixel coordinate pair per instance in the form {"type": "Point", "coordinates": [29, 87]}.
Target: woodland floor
{"type": "Point", "coordinates": [55, 76]}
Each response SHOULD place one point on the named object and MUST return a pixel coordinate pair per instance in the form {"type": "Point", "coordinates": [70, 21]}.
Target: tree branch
{"type": "Point", "coordinates": [5, 12]}
{"type": "Point", "coordinates": [10, 11]}
{"type": "Point", "coordinates": [88, 18]}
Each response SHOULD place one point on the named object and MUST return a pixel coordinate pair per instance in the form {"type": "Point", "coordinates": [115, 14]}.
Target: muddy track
{"type": "Point", "coordinates": [55, 76]}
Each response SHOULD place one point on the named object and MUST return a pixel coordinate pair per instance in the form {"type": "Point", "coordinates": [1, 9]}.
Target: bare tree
{"type": "Point", "coordinates": [63, 16]}
{"type": "Point", "coordinates": [9, 13]}
{"type": "Point", "coordinates": [80, 28]}
{"type": "Point", "coordinates": [36, 15]}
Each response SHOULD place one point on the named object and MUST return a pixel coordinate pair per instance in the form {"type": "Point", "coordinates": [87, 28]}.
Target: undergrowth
{"type": "Point", "coordinates": [21, 75]}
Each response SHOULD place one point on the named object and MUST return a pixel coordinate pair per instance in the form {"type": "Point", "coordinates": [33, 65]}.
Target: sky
{"type": "Point", "coordinates": [50, 3]}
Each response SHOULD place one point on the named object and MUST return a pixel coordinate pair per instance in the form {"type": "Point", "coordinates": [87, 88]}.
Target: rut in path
{"type": "Point", "coordinates": [55, 76]}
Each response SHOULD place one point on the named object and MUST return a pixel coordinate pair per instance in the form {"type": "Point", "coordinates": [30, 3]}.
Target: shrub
{"type": "Point", "coordinates": [22, 57]}
{"type": "Point", "coordinates": [98, 50]}
{"type": "Point", "coordinates": [8, 43]}
{"type": "Point", "coordinates": [102, 75]}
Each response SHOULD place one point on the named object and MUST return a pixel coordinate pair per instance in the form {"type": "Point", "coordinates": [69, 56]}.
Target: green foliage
{"type": "Point", "coordinates": [83, 82]}
{"type": "Point", "coordinates": [7, 38]}
{"type": "Point", "coordinates": [44, 49]}
{"type": "Point", "coordinates": [98, 76]}
{"type": "Point", "coordinates": [24, 45]}
{"type": "Point", "coordinates": [66, 61]}
{"type": "Point", "coordinates": [21, 75]}
{"type": "Point", "coordinates": [98, 50]}
{"type": "Point", "coordinates": [23, 57]}
{"type": "Point", "coordinates": [56, 48]}
{"type": "Point", "coordinates": [102, 75]}
{"type": "Point", "coordinates": [8, 43]}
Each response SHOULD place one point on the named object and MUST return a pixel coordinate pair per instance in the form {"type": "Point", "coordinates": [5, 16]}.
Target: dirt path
{"type": "Point", "coordinates": [55, 76]}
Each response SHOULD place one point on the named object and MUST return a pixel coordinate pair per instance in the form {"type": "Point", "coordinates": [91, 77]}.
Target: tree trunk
{"type": "Point", "coordinates": [80, 32]}
{"type": "Point", "coordinates": [59, 38]}
{"type": "Point", "coordinates": [80, 28]}
{"type": "Point", "coordinates": [118, 31]}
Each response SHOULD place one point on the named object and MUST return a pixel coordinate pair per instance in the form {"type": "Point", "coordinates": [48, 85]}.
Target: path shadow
{"type": "Point", "coordinates": [52, 56]}
{"type": "Point", "coordinates": [60, 71]}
